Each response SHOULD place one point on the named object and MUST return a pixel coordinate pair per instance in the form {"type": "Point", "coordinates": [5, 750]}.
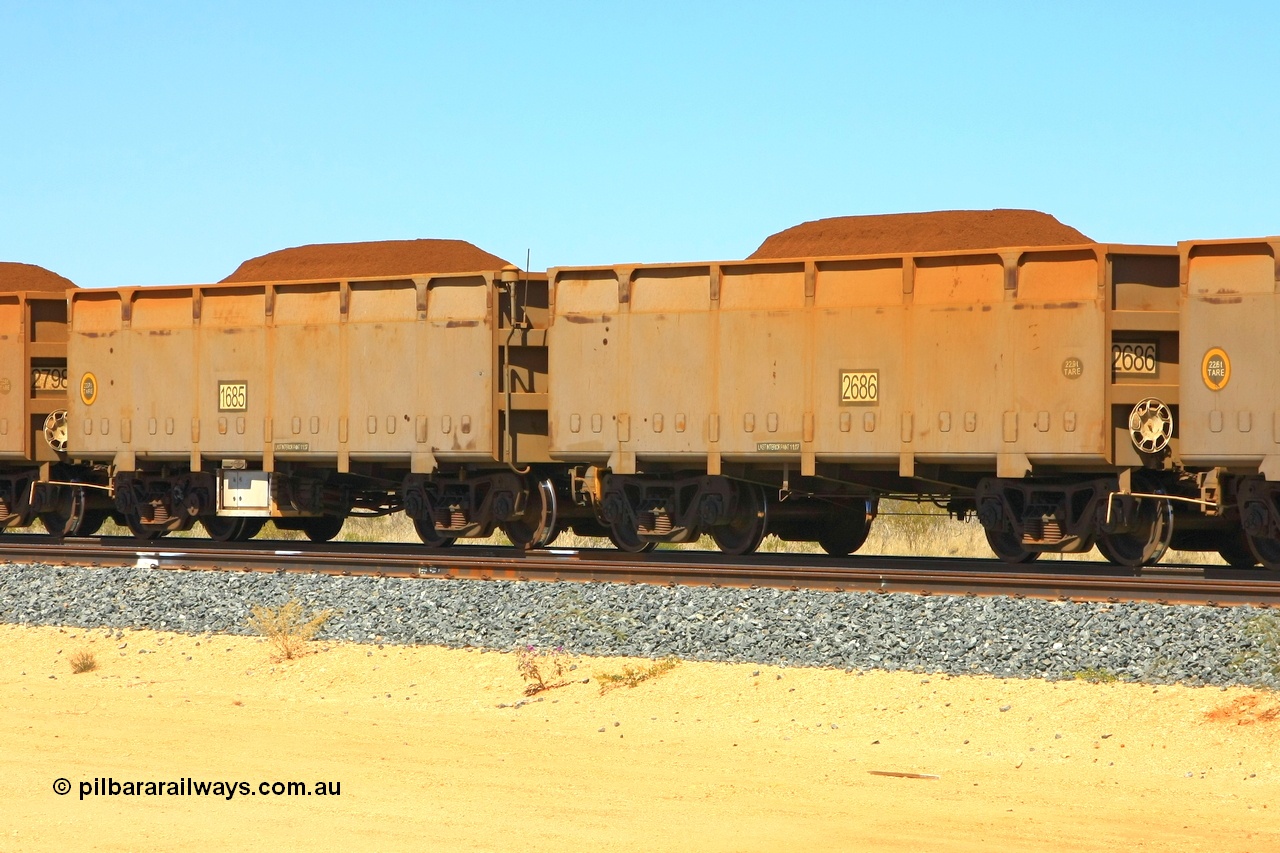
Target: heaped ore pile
{"type": "Point", "coordinates": [16, 276]}
{"type": "Point", "coordinates": [934, 231]}
{"type": "Point", "coordinates": [356, 260]}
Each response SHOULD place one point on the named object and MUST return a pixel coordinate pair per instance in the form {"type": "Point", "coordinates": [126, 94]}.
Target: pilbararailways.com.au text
{"type": "Point", "coordinates": [187, 787]}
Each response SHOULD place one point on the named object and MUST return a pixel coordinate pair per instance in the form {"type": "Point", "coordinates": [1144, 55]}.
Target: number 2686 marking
{"type": "Point", "coordinates": [859, 386]}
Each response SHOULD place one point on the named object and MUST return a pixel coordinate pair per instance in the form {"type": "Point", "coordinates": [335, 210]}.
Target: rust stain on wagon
{"type": "Point", "coordinates": [461, 324]}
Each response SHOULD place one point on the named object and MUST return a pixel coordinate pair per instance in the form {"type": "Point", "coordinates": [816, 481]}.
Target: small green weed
{"type": "Point", "coordinates": [632, 676]}
{"type": "Point", "coordinates": [287, 627]}
{"type": "Point", "coordinates": [542, 669]}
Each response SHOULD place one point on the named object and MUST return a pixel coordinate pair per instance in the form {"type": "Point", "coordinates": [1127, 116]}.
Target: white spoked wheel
{"type": "Point", "coordinates": [1150, 425]}
{"type": "Point", "coordinates": [55, 430]}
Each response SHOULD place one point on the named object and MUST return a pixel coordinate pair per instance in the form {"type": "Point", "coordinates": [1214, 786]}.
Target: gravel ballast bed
{"type": "Point", "coordinates": [1000, 636]}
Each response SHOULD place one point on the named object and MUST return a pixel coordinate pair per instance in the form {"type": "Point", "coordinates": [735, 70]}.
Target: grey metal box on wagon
{"type": "Point", "coordinates": [993, 361]}
{"type": "Point", "coordinates": [397, 371]}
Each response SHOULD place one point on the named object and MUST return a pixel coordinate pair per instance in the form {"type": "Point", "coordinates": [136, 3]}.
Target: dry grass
{"type": "Point", "coordinates": [632, 676]}
{"type": "Point", "coordinates": [83, 661]}
{"type": "Point", "coordinates": [287, 627]}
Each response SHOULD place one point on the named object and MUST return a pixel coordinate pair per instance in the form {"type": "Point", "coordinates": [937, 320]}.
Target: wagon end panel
{"type": "Point", "coordinates": [161, 338]}
{"type": "Point", "coordinates": [670, 359]}
{"type": "Point", "coordinates": [587, 381]}
{"type": "Point", "coordinates": [1230, 370]}
{"type": "Point", "coordinates": [233, 375]}
{"type": "Point", "coordinates": [304, 350]}
{"type": "Point", "coordinates": [862, 373]}
{"type": "Point", "coordinates": [1056, 332]}
{"type": "Point", "coordinates": [765, 352]}
{"type": "Point", "coordinates": [13, 378]}
{"type": "Point", "coordinates": [957, 326]}
{"type": "Point", "coordinates": [1144, 352]}
{"type": "Point", "coordinates": [524, 313]}
{"type": "Point", "coordinates": [457, 363]}
{"type": "Point", "coordinates": [100, 408]}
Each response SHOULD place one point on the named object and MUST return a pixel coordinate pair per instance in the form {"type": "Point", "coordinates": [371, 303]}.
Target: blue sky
{"type": "Point", "coordinates": [146, 143]}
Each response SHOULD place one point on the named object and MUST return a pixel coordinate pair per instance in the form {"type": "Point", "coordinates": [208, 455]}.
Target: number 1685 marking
{"type": "Point", "coordinates": [859, 386]}
{"type": "Point", "coordinates": [233, 396]}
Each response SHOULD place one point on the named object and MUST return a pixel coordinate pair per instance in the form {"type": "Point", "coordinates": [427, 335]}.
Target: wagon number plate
{"type": "Point", "coordinates": [1134, 358]}
{"type": "Point", "coordinates": [233, 396]}
{"type": "Point", "coordinates": [48, 379]}
{"type": "Point", "coordinates": [859, 386]}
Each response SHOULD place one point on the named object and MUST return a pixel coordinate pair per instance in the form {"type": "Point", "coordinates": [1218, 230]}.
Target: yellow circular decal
{"type": "Point", "coordinates": [88, 389]}
{"type": "Point", "coordinates": [1216, 369]}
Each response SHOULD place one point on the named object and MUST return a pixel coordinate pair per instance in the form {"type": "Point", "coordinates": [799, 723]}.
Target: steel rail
{"type": "Point", "coordinates": [1074, 581]}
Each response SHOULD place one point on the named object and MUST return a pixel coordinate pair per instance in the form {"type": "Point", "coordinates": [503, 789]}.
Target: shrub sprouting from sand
{"type": "Point", "coordinates": [83, 661]}
{"type": "Point", "coordinates": [631, 676]}
{"type": "Point", "coordinates": [541, 669]}
{"type": "Point", "coordinates": [288, 627]}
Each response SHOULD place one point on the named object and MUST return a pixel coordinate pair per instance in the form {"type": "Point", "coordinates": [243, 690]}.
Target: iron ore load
{"type": "Point", "coordinates": [1067, 394]}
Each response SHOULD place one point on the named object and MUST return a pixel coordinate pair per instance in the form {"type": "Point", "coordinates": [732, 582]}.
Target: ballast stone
{"type": "Point", "coordinates": [1004, 637]}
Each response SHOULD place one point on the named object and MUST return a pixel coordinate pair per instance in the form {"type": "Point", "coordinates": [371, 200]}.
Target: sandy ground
{"type": "Point", "coordinates": [705, 757]}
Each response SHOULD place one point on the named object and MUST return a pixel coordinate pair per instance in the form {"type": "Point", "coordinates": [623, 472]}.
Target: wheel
{"type": "Point", "coordinates": [1266, 550]}
{"type": "Point", "coordinates": [626, 539]}
{"type": "Point", "coordinates": [1144, 545]}
{"type": "Point", "coordinates": [1234, 548]}
{"type": "Point", "coordinates": [93, 521]}
{"type": "Point", "coordinates": [427, 533]}
{"type": "Point", "coordinates": [221, 528]}
{"type": "Point", "coordinates": [322, 528]}
{"type": "Point", "coordinates": [844, 533]}
{"type": "Point", "coordinates": [68, 518]}
{"type": "Point", "coordinates": [252, 527]}
{"type": "Point", "coordinates": [140, 530]}
{"type": "Point", "coordinates": [746, 529]}
{"type": "Point", "coordinates": [1009, 548]}
{"type": "Point", "coordinates": [536, 527]}
{"type": "Point", "coordinates": [54, 523]}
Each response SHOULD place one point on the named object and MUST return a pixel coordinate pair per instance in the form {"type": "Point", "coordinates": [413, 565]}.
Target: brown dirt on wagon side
{"type": "Point", "coordinates": [932, 231]}
{"type": "Point", "coordinates": [356, 260]}
{"type": "Point", "coordinates": [16, 276]}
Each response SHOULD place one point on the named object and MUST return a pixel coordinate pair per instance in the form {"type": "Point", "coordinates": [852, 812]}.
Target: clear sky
{"type": "Point", "coordinates": [146, 143]}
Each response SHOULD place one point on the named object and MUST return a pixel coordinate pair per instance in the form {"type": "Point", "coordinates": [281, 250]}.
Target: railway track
{"type": "Point", "coordinates": [1076, 581]}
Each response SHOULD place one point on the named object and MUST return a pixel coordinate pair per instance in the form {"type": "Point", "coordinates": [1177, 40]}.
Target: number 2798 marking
{"type": "Point", "coordinates": [859, 386]}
